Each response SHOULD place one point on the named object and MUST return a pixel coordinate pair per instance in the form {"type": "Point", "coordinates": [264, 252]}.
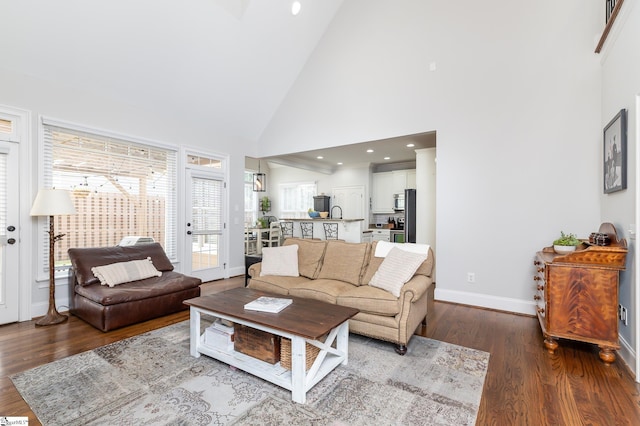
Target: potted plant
{"type": "Point", "coordinates": [566, 243]}
{"type": "Point", "coordinates": [265, 204]}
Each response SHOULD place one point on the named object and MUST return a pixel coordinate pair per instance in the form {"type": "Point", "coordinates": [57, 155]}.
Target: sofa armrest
{"type": "Point", "coordinates": [415, 288]}
{"type": "Point", "coordinates": [254, 270]}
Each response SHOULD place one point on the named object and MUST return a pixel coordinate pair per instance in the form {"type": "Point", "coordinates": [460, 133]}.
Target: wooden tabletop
{"type": "Point", "coordinates": [308, 318]}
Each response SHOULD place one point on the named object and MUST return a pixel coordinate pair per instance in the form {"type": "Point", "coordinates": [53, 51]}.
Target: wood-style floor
{"type": "Point", "coordinates": [525, 385]}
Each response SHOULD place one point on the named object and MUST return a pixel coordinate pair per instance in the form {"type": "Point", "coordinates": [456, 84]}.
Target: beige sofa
{"type": "Point", "coordinates": [339, 272]}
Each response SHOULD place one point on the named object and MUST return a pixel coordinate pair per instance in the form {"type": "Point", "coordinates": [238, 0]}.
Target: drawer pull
{"type": "Point", "coordinates": [540, 269]}
{"type": "Point", "coordinates": [536, 297]}
{"type": "Point", "coordinates": [536, 278]}
{"type": "Point", "coordinates": [536, 262]}
{"type": "Point", "coordinates": [541, 310]}
{"type": "Point", "coordinates": [540, 287]}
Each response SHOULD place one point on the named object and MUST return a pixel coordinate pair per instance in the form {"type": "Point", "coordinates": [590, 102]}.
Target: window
{"type": "Point", "coordinates": [296, 199]}
{"type": "Point", "coordinates": [119, 188]}
{"type": "Point", "coordinates": [250, 199]}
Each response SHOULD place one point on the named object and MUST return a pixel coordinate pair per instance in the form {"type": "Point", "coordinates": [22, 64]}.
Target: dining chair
{"type": "Point", "coordinates": [250, 242]}
{"type": "Point", "coordinates": [274, 235]}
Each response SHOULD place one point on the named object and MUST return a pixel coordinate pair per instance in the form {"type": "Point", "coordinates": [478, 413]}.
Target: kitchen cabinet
{"type": "Point", "coordinates": [381, 235]}
{"type": "Point", "coordinates": [382, 193]}
{"type": "Point", "coordinates": [385, 184]}
{"type": "Point", "coordinates": [577, 294]}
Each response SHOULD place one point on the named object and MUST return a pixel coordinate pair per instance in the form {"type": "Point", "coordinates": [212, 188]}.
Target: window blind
{"type": "Point", "coordinates": [119, 188]}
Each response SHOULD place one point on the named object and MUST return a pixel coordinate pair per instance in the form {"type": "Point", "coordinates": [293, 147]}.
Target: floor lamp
{"type": "Point", "coordinates": [52, 202]}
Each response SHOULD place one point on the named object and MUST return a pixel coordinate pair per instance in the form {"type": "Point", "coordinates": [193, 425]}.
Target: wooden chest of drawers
{"type": "Point", "coordinates": [577, 294]}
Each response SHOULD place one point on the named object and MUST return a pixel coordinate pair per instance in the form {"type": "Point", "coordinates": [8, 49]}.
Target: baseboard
{"type": "Point", "coordinates": [238, 270]}
{"type": "Point", "coordinates": [484, 301]}
{"type": "Point", "coordinates": [627, 354]}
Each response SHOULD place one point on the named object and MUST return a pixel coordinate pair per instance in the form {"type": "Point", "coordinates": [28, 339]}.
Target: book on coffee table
{"type": "Point", "coordinates": [268, 304]}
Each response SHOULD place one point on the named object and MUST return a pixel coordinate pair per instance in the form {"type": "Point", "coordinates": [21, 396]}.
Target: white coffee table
{"type": "Point", "coordinates": [304, 322]}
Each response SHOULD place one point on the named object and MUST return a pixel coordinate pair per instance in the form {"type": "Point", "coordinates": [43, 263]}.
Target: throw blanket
{"type": "Point", "coordinates": [383, 248]}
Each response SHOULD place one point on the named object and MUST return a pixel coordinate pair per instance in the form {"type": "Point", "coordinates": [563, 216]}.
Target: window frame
{"type": "Point", "coordinates": [42, 225]}
{"type": "Point", "coordinates": [295, 214]}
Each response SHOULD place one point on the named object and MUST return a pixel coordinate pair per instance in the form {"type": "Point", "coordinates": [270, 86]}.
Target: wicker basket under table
{"type": "Point", "coordinates": [311, 353]}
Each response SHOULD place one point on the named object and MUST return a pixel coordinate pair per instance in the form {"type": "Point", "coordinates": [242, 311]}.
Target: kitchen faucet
{"type": "Point", "coordinates": [332, 212]}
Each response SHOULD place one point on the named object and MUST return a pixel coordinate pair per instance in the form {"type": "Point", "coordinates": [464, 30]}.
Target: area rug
{"type": "Point", "coordinates": [151, 379]}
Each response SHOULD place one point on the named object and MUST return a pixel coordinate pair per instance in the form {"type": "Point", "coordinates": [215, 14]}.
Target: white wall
{"type": "Point", "coordinates": [515, 99]}
{"type": "Point", "coordinates": [620, 86]}
{"type": "Point", "coordinates": [51, 100]}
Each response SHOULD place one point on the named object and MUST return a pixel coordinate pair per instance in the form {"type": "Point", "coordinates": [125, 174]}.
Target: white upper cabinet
{"type": "Point", "coordinates": [385, 184]}
{"type": "Point", "coordinates": [382, 193]}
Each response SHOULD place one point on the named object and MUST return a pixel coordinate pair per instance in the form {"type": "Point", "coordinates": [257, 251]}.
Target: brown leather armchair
{"type": "Point", "coordinates": [108, 308]}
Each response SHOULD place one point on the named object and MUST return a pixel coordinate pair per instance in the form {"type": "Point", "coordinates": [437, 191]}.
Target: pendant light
{"type": "Point", "coordinates": [259, 181]}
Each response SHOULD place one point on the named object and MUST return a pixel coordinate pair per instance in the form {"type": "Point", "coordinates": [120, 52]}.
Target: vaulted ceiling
{"type": "Point", "coordinates": [227, 61]}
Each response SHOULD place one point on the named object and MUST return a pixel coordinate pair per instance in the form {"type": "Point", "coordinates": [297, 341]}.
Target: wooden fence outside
{"type": "Point", "coordinates": [103, 219]}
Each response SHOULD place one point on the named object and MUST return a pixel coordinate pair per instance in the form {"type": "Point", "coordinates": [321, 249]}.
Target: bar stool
{"type": "Point", "coordinates": [306, 228]}
{"type": "Point", "coordinates": [330, 230]}
{"type": "Point", "coordinates": [287, 230]}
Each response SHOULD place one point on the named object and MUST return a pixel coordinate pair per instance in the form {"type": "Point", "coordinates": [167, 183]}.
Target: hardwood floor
{"type": "Point", "coordinates": [525, 385]}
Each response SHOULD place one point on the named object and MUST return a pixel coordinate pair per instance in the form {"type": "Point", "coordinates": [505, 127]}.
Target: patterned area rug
{"type": "Point", "coordinates": [151, 379]}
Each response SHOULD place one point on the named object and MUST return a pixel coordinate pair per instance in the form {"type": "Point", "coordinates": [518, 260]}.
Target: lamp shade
{"type": "Point", "coordinates": [52, 202]}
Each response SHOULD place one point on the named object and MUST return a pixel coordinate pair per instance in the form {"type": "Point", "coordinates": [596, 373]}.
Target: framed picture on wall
{"type": "Point", "coordinates": [615, 153]}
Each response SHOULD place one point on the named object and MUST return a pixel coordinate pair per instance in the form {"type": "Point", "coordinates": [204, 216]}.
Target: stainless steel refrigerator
{"type": "Point", "coordinates": [409, 215]}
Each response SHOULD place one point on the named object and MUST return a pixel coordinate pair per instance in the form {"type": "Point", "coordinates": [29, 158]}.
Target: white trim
{"type": "Point", "coordinates": [627, 354]}
{"type": "Point", "coordinates": [636, 253]}
{"type": "Point", "coordinates": [24, 138]}
{"type": "Point", "coordinates": [506, 304]}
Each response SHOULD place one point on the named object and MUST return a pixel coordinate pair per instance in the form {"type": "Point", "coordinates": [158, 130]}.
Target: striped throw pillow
{"type": "Point", "coordinates": [124, 272]}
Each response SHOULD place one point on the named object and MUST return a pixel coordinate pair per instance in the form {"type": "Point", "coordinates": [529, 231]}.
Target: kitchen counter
{"type": "Point", "coordinates": [348, 229]}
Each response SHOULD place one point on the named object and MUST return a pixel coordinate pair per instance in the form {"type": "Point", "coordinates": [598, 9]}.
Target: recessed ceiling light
{"type": "Point", "coordinates": [339, 164]}
{"type": "Point", "coordinates": [369, 151]}
{"type": "Point", "coordinates": [319, 157]}
{"type": "Point", "coordinates": [295, 8]}
{"type": "Point", "coordinates": [410, 145]}
{"type": "Point", "coordinates": [387, 158]}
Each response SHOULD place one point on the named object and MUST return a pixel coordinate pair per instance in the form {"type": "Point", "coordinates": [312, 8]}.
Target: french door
{"type": "Point", "coordinates": [205, 225]}
{"type": "Point", "coordinates": [9, 230]}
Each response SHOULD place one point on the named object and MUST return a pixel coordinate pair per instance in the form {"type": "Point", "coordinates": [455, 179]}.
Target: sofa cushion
{"type": "Point", "coordinates": [83, 259]}
{"type": "Point", "coordinates": [397, 268]}
{"type": "Point", "coordinates": [280, 261]}
{"type": "Point", "coordinates": [274, 283]}
{"type": "Point", "coordinates": [370, 300]}
{"type": "Point", "coordinates": [344, 261]}
{"type": "Point", "coordinates": [374, 263]}
{"type": "Point", "coordinates": [310, 253]}
{"type": "Point", "coordinates": [169, 282]}
{"type": "Point", "coordinates": [320, 289]}
{"type": "Point", "coordinates": [124, 272]}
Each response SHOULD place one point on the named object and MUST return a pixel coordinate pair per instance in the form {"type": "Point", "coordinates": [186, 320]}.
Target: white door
{"type": "Point", "coordinates": [352, 202]}
{"type": "Point", "coordinates": [9, 232]}
{"type": "Point", "coordinates": [204, 257]}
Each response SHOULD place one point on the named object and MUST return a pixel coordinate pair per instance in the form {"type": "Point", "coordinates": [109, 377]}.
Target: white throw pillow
{"type": "Point", "coordinates": [124, 272]}
{"type": "Point", "coordinates": [396, 269]}
{"type": "Point", "coordinates": [282, 261]}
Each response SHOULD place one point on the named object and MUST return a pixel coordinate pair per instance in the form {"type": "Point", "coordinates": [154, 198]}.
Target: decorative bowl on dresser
{"type": "Point", "coordinates": [577, 293]}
